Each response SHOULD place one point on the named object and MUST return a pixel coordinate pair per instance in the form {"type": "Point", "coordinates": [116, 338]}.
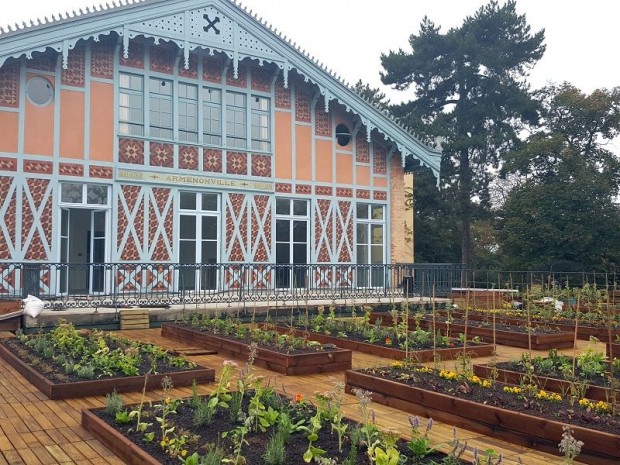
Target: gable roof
{"type": "Point", "coordinates": [189, 24]}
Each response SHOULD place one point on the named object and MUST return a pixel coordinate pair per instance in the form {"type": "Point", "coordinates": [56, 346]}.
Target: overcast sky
{"type": "Point", "coordinates": [583, 42]}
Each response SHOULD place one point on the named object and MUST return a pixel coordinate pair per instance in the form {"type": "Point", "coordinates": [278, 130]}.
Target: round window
{"type": "Point", "coordinates": [40, 91]}
{"type": "Point", "coordinates": [343, 135]}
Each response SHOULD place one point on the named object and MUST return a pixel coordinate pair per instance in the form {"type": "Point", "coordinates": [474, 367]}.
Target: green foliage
{"type": "Point", "coordinates": [562, 214]}
{"type": "Point", "coordinates": [275, 453]}
{"type": "Point", "coordinates": [470, 91]}
{"type": "Point", "coordinates": [113, 403]}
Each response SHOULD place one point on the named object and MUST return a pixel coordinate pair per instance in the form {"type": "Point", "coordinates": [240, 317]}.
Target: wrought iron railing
{"type": "Point", "coordinates": [63, 285]}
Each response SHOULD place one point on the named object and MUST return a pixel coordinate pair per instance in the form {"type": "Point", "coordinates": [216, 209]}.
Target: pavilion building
{"type": "Point", "coordinates": [142, 142]}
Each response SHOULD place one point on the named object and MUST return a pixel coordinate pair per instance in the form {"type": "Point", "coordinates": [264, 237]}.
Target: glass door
{"type": "Point", "coordinates": [292, 239]}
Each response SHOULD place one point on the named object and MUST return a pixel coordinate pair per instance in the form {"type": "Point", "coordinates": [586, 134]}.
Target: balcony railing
{"type": "Point", "coordinates": [63, 285]}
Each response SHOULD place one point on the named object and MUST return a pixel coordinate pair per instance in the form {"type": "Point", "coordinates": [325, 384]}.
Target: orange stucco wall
{"type": "Point", "coordinates": [303, 152]}
{"type": "Point", "coordinates": [344, 168]}
{"type": "Point", "coordinates": [283, 145]}
{"type": "Point", "coordinates": [71, 124]}
{"type": "Point", "coordinates": [9, 124]}
{"type": "Point", "coordinates": [363, 176]}
{"type": "Point", "coordinates": [39, 127]}
{"type": "Point", "coordinates": [101, 121]}
{"type": "Point", "coordinates": [379, 182]}
{"type": "Point", "coordinates": [323, 160]}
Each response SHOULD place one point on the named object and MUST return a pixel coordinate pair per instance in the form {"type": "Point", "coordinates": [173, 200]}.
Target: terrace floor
{"type": "Point", "coordinates": [36, 430]}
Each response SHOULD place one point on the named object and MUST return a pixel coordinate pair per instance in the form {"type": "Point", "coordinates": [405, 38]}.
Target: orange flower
{"type": "Point", "coordinates": [388, 341]}
{"type": "Point", "coordinates": [299, 398]}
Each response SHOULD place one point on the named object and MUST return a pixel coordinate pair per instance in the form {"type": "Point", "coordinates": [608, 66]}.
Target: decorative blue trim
{"type": "Point", "coordinates": [251, 38]}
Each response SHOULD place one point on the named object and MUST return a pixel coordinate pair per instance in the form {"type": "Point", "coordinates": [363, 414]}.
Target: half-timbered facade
{"type": "Point", "coordinates": [188, 132]}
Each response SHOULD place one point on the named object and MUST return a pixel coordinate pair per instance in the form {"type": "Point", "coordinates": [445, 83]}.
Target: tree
{"type": "Point", "coordinates": [373, 95]}
{"type": "Point", "coordinates": [470, 90]}
{"type": "Point", "coordinates": [562, 216]}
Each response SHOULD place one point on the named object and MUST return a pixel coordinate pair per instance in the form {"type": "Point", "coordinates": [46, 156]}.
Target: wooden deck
{"type": "Point", "coordinates": [36, 430]}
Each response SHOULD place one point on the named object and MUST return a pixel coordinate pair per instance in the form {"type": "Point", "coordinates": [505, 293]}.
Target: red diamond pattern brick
{"type": "Point", "coordinates": [242, 77]}
{"type": "Point", "coordinates": [379, 159]}
{"type": "Point", "coordinates": [237, 163]}
{"type": "Point", "coordinates": [362, 148]}
{"type": "Point", "coordinates": [70, 169]}
{"type": "Point", "coordinates": [302, 105]}
{"type": "Point", "coordinates": [102, 172]}
{"type": "Point", "coordinates": [212, 69]}
{"type": "Point", "coordinates": [8, 164]}
{"type": "Point", "coordinates": [188, 158]}
{"type": "Point", "coordinates": [9, 85]}
{"type": "Point", "coordinates": [131, 151]}
{"type": "Point", "coordinates": [74, 74]}
{"type": "Point", "coordinates": [38, 167]}
{"type": "Point", "coordinates": [261, 165]}
{"type": "Point", "coordinates": [102, 60]}
{"type": "Point", "coordinates": [136, 56]}
{"type": "Point", "coordinates": [212, 160]}
{"type": "Point", "coordinates": [323, 120]}
{"type": "Point", "coordinates": [284, 188]}
{"type": "Point", "coordinates": [161, 155]}
{"type": "Point", "coordinates": [261, 79]}
{"type": "Point", "coordinates": [283, 96]}
{"type": "Point", "coordinates": [162, 59]}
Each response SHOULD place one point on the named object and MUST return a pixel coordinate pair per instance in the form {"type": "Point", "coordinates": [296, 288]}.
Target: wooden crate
{"type": "Point", "coordinates": [11, 315]}
{"type": "Point", "coordinates": [135, 319]}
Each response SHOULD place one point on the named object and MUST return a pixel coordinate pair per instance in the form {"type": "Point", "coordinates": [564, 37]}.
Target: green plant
{"type": "Point", "coordinates": [168, 407]}
{"type": "Point", "coordinates": [275, 453]}
{"type": "Point", "coordinates": [591, 362]}
{"type": "Point", "coordinates": [113, 403]}
{"type": "Point", "coordinates": [420, 443]}
{"type": "Point", "coordinates": [122, 417]}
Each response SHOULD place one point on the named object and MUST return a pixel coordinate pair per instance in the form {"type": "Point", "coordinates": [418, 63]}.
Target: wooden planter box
{"type": "Point", "coordinates": [122, 447]}
{"type": "Point", "coordinates": [561, 340]}
{"type": "Point", "coordinates": [476, 350]}
{"type": "Point", "coordinates": [599, 448]}
{"type": "Point", "coordinates": [584, 330]}
{"type": "Point", "coordinates": [10, 315]}
{"type": "Point", "coordinates": [288, 364]}
{"type": "Point", "coordinates": [102, 386]}
{"type": "Point", "coordinates": [613, 350]}
{"type": "Point", "coordinates": [544, 382]}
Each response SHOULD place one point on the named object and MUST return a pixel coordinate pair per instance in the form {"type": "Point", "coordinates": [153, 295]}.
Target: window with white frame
{"type": "Point", "coordinates": [292, 240]}
{"type": "Point", "coordinates": [160, 108]}
{"type": "Point", "coordinates": [131, 105]}
{"type": "Point", "coordinates": [236, 116]}
{"type": "Point", "coordinates": [84, 194]}
{"type": "Point", "coordinates": [212, 115]}
{"type": "Point", "coordinates": [193, 113]}
{"type": "Point", "coordinates": [261, 127]}
{"type": "Point", "coordinates": [370, 244]}
{"type": "Point", "coordinates": [188, 112]}
{"type": "Point", "coordinates": [199, 217]}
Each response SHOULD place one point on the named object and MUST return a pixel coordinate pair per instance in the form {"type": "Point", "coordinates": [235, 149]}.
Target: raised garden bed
{"type": "Point", "coordinates": [241, 427]}
{"type": "Point", "coordinates": [585, 329]}
{"type": "Point", "coordinates": [428, 355]}
{"type": "Point", "coordinates": [55, 389]}
{"type": "Point", "coordinates": [613, 350]}
{"type": "Point", "coordinates": [320, 360]}
{"type": "Point", "coordinates": [593, 392]}
{"type": "Point", "coordinates": [514, 336]}
{"type": "Point", "coordinates": [600, 447]}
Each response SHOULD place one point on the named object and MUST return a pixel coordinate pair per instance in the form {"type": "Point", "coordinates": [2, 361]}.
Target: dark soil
{"type": "Point", "coordinates": [500, 327]}
{"type": "Point", "coordinates": [284, 348]}
{"type": "Point", "coordinates": [495, 396]}
{"type": "Point", "coordinates": [257, 441]}
{"type": "Point", "coordinates": [413, 345]}
{"type": "Point", "coordinates": [55, 372]}
{"type": "Point", "coordinates": [555, 372]}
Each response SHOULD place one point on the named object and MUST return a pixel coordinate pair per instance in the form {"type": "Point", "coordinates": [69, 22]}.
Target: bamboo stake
{"type": "Point", "coordinates": [434, 325]}
{"type": "Point", "coordinates": [575, 334]}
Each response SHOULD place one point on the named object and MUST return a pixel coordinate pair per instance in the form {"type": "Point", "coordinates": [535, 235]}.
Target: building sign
{"type": "Point", "coordinates": [194, 180]}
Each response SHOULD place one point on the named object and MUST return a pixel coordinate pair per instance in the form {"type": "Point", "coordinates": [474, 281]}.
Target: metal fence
{"type": "Point", "coordinates": [63, 285]}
